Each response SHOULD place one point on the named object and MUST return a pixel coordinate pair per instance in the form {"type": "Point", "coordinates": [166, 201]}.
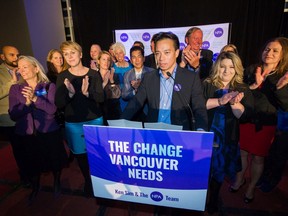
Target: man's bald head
{"type": "Point", "coordinates": [10, 56]}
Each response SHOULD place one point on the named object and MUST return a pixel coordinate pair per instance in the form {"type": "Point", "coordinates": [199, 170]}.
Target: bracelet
{"type": "Point", "coordinates": [219, 102]}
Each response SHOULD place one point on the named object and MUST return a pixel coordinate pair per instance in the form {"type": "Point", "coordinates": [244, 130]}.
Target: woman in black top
{"type": "Point", "coordinates": [229, 100]}
{"type": "Point", "coordinates": [79, 92]}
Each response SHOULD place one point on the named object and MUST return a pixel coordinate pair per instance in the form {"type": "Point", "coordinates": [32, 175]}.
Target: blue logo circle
{"type": "Point", "coordinates": [205, 45]}
{"type": "Point", "coordinates": [123, 37]}
{"type": "Point", "coordinates": [146, 36]}
{"type": "Point", "coordinates": [218, 32]}
{"type": "Point", "coordinates": [156, 196]}
{"type": "Point", "coordinates": [126, 58]}
{"type": "Point", "coordinates": [182, 46]}
{"type": "Point", "coordinates": [215, 56]}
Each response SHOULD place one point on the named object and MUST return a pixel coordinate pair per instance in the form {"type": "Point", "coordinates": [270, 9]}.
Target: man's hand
{"type": "Point", "coordinates": [135, 83]}
{"type": "Point", "coordinates": [192, 58]}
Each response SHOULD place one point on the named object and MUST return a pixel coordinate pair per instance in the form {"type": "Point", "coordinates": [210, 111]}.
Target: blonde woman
{"type": "Point", "coordinates": [55, 64]}
{"type": "Point", "coordinates": [110, 83]}
{"type": "Point", "coordinates": [229, 48]}
{"type": "Point", "coordinates": [228, 100]}
{"type": "Point", "coordinates": [31, 106]}
{"type": "Point", "coordinates": [121, 66]}
{"type": "Point", "coordinates": [80, 94]}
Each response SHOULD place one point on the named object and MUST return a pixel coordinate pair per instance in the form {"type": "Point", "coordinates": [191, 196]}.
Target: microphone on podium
{"type": "Point", "coordinates": [183, 100]}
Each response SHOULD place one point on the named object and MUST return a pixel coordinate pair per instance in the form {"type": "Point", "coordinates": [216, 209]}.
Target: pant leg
{"type": "Point", "coordinates": [84, 167]}
{"type": "Point", "coordinates": [276, 161]}
{"type": "Point", "coordinates": [17, 148]}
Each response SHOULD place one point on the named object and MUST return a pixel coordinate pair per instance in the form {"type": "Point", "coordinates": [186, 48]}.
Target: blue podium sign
{"type": "Point", "coordinates": [156, 167]}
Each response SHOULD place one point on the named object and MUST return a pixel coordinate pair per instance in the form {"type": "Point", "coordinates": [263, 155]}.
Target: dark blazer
{"type": "Point", "coordinates": [127, 89]}
{"type": "Point", "coordinates": [268, 99]}
{"type": "Point", "coordinates": [231, 122]}
{"type": "Point", "coordinates": [191, 90]}
{"type": "Point", "coordinates": [150, 61]}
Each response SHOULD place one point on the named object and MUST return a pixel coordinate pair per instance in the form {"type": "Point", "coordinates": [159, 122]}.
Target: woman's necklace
{"type": "Point", "coordinates": [122, 64]}
{"type": "Point", "coordinates": [271, 73]}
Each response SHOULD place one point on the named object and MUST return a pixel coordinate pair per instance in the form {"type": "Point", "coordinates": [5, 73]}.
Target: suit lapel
{"type": "Point", "coordinates": [133, 75]}
{"type": "Point", "coordinates": [178, 81]}
{"type": "Point", "coordinates": [156, 88]}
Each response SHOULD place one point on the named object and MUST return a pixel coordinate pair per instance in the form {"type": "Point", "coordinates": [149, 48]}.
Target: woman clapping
{"type": "Point", "coordinates": [31, 106]}
{"type": "Point", "coordinates": [228, 101]}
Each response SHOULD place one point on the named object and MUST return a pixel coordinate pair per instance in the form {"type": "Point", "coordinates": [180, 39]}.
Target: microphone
{"type": "Point", "coordinates": [183, 99]}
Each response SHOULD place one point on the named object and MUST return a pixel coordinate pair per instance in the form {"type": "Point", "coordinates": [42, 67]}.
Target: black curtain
{"type": "Point", "coordinates": [253, 21]}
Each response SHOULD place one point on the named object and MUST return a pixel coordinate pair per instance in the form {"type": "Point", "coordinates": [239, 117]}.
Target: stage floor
{"type": "Point", "coordinates": [71, 201]}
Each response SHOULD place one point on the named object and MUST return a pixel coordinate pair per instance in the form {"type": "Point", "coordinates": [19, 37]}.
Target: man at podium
{"type": "Point", "coordinates": [173, 94]}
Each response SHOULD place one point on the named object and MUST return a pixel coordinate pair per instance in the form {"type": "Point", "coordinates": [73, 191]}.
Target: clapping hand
{"type": "Point", "coordinates": [259, 76]}
{"type": "Point", "coordinates": [93, 64]}
{"type": "Point", "coordinates": [28, 93]}
{"type": "Point", "coordinates": [237, 98]}
{"type": "Point", "coordinates": [183, 60]}
{"type": "Point", "coordinates": [70, 87]}
{"type": "Point", "coordinates": [135, 83]}
{"type": "Point", "coordinates": [85, 85]}
{"type": "Point", "coordinates": [191, 57]}
{"type": "Point", "coordinates": [227, 97]}
{"type": "Point", "coordinates": [282, 81]}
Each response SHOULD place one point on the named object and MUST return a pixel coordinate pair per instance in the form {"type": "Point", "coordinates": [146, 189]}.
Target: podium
{"type": "Point", "coordinates": [150, 166]}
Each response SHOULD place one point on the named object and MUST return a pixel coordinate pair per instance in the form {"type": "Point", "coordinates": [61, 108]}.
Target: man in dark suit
{"type": "Point", "coordinates": [172, 93]}
{"type": "Point", "coordinates": [150, 60]}
{"type": "Point", "coordinates": [193, 57]}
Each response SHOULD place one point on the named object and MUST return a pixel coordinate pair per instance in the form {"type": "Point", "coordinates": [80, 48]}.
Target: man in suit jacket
{"type": "Point", "coordinates": [150, 60]}
{"type": "Point", "coordinates": [193, 57]}
{"type": "Point", "coordinates": [172, 93]}
{"type": "Point", "coordinates": [133, 77]}
{"type": "Point", "coordinates": [8, 77]}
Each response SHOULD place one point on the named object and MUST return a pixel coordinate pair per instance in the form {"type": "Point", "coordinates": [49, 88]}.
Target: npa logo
{"type": "Point", "coordinates": [123, 37]}
{"type": "Point", "coordinates": [156, 196]}
{"type": "Point", "coordinates": [182, 46]}
{"type": "Point", "coordinates": [146, 36]}
{"type": "Point", "coordinates": [215, 55]}
{"type": "Point", "coordinates": [218, 32]}
{"type": "Point", "coordinates": [205, 45]}
{"type": "Point", "coordinates": [126, 58]}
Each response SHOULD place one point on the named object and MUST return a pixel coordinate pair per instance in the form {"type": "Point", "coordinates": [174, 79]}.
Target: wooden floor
{"type": "Point", "coordinates": [13, 197]}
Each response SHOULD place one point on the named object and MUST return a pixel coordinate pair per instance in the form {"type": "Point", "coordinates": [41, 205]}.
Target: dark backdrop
{"type": "Point", "coordinates": [253, 21]}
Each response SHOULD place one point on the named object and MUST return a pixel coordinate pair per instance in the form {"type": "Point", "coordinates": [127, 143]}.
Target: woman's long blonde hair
{"type": "Point", "coordinates": [239, 70]}
{"type": "Point", "coordinates": [41, 76]}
